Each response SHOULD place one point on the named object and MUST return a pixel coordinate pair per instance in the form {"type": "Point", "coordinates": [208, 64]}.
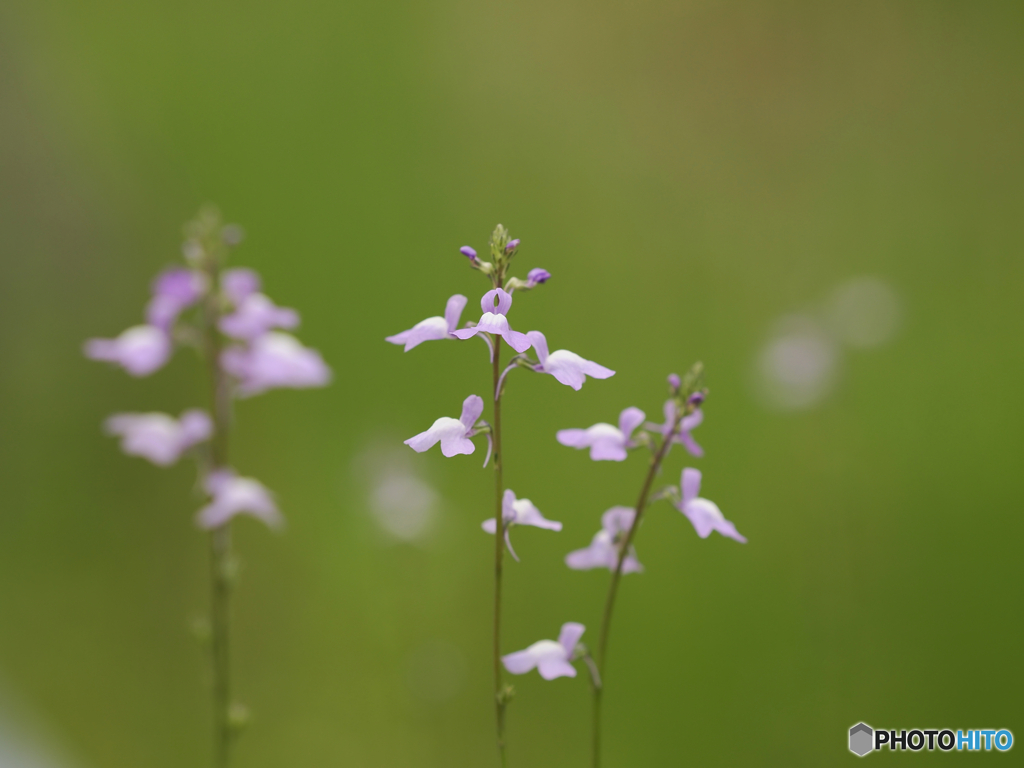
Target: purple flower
{"type": "Point", "coordinates": [433, 328]}
{"type": "Point", "coordinates": [603, 551]}
{"type": "Point", "coordinates": [453, 434]}
{"type": "Point", "coordinates": [495, 305]}
{"type": "Point", "coordinates": [518, 512]}
{"type": "Point", "coordinates": [239, 283]}
{"type": "Point", "coordinates": [705, 515]}
{"type": "Point", "coordinates": [606, 443]}
{"type": "Point", "coordinates": [234, 495]}
{"type": "Point", "coordinates": [567, 367]}
{"type": "Point", "coordinates": [469, 253]}
{"type": "Point", "coordinates": [550, 658]}
{"type": "Point", "coordinates": [159, 437]}
{"type": "Point", "coordinates": [140, 350]}
{"type": "Point", "coordinates": [683, 435]}
{"type": "Point", "coordinates": [536, 276]}
{"type": "Point", "coordinates": [255, 315]}
{"type": "Point", "coordinates": [274, 360]}
{"type": "Point", "coordinates": [174, 291]}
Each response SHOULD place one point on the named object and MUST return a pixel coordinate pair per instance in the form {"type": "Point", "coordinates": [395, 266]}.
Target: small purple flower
{"type": "Point", "coordinates": [255, 315]}
{"type": "Point", "coordinates": [704, 514]}
{"type": "Point", "coordinates": [495, 305]}
{"type": "Point", "coordinates": [687, 424]}
{"type": "Point", "coordinates": [606, 443]}
{"type": "Point", "coordinates": [453, 434]}
{"type": "Point", "coordinates": [674, 382]}
{"type": "Point", "coordinates": [274, 360]}
{"type": "Point", "coordinates": [567, 367]}
{"type": "Point", "coordinates": [603, 551]}
{"type": "Point", "coordinates": [469, 253]}
{"type": "Point", "coordinates": [140, 350]}
{"type": "Point", "coordinates": [238, 283]}
{"type": "Point", "coordinates": [234, 495]}
{"type": "Point", "coordinates": [518, 512]}
{"type": "Point", "coordinates": [433, 328]}
{"type": "Point", "coordinates": [537, 276]}
{"type": "Point", "coordinates": [174, 291]}
{"type": "Point", "coordinates": [551, 659]}
{"type": "Point", "coordinates": [159, 437]}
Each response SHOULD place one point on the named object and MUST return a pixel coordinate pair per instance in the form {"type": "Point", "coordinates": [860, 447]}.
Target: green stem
{"type": "Point", "coordinates": [220, 538]}
{"type": "Point", "coordinates": [499, 551]}
{"type": "Point", "coordinates": [613, 589]}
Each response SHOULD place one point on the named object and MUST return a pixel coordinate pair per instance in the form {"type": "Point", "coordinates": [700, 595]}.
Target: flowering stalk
{"type": "Point", "coordinates": [454, 436]}
{"type": "Point", "coordinates": [203, 305]}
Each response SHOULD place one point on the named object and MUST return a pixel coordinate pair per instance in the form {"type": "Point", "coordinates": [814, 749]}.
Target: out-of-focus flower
{"type": "Point", "coordinates": [233, 495]}
{"type": "Point", "coordinates": [603, 551]}
{"type": "Point", "coordinates": [140, 350]}
{"type": "Point", "coordinates": [453, 434]}
{"type": "Point", "coordinates": [255, 315]}
{"type": "Point", "coordinates": [238, 283]}
{"type": "Point", "coordinates": [174, 291]}
{"type": "Point", "coordinates": [606, 443]}
{"type": "Point", "coordinates": [552, 659]}
{"type": "Point", "coordinates": [682, 435]}
{"type": "Point", "coordinates": [495, 304]}
{"type": "Point", "coordinates": [864, 312]}
{"type": "Point", "coordinates": [567, 367]}
{"type": "Point", "coordinates": [159, 437]}
{"type": "Point", "coordinates": [433, 328]}
{"type": "Point", "coordinates": [275, 360]}
{"type": "Point", "coordinates": [798, 367]}
{"type": "Point", "coordinates": [704, 514]}
{"type": "Point", "coordinates": [518, 512]}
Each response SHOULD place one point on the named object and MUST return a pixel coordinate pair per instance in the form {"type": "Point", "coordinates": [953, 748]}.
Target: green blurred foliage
{"type": "Point", "coordinates": [688, 172]}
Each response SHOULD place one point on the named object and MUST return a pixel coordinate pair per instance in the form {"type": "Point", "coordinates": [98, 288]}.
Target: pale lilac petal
{"type": "Point", "coordinates": [692, 421]}
{"type": "Point", "coordinates": [618, 520]}
{"type": "Point", "coordinates": [540, 344]}
{"type": "Point", "coordinates": [596, 371]}
{"type": "Point", "coordinates": [608, 449]}
{"type": "Point", "coordinates": [691, 445]}
{"type": "Point", "coordinates": [569, 636]}
{"type": "Point", "coordinates": [630, 419]}
{"type": "Point", "coordinates": [153, 436]}
{"type": "Point", "coordinates": [520, 662]}
{"type": "Point", "coordinates": [489, 525]}
{"type": "Point", "coordinates": [508, 506]}
{"type": "Point", "coordinates": [233, 495]}
{"type": "Point", "coordinates": [493, 323]}
{"type": "Point", "coordinates": [528, 514]}
{"type": "Point", "coordinates": [496, 301]}
{"type": "Point", "coordinates": [550, 668]}
{"type": "Point", "coordinates": [726, 528]}
{"type": "Point", "coordinates": [573, 438]}
{"type": "Point", "coordinates": [256, 315]}
{"type": "Point", "coordinates": [275, 360]}
{"type": "Point", "coordinates": [174, 290]}
{"type": "Point", "coordinates": [566, 367]}
{"type": "Point", "coordinates": [431, 329]}
{"type": "Point", "coordinates": [466, 333]}
{"type": "Point", "coordinates": [196, 426]}
{"type": "Point", "coordinates": [453, 311]}
{"type": "Point", "coordinates": [508, 543]}
{"type": "Point", "coordinates": [690, 484]}
{"type": "Point", "coordinates": [631, 564]}
{"type": "Point", "coordinates": [140, 350]}
{"type": "Point", "coordinates": [520, 342]}
{"type": "Point", "coordinates": [239, 283]}
{"type": "Point", "coordinates": [594, 556]}
{"type": "Point", "coordinates": [451, 433]}
{"type": "Point", "coordinates": [472, 407]}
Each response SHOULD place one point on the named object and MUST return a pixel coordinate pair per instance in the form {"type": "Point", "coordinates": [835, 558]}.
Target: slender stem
{"type": "Point", "coordinates": [613, 587]}
{"type": "Point", "coordinates": [499, 549]}
{"type": "Point", "coordinates": [220, 538]}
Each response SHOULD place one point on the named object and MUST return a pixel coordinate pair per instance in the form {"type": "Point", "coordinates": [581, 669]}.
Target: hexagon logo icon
{"type": "Point", "coordinates": [861, 739]}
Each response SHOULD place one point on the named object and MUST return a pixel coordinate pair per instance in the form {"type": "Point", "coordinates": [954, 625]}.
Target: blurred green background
{"type": "Point", "coordinates": [690, 172]}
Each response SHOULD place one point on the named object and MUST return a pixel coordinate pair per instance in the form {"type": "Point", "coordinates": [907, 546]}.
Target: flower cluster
{"type": "Point", "coordinates": [225, 316]}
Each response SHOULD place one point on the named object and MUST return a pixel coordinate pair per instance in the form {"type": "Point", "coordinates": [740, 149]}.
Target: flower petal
{"type": "Point", "coordinates": [690, 484]}
{"type": "Point", "coordinates": [573, 438]}
{"type": "Point", "coordinates": [550, 668]}
{"type": "Point", "coordinates": [453, 311]}
{"type": "Point", "coordinates": [540, 343]}
{"type": "Point", "coordinates": [528, 514]}
{"type": "Point", "coordinates": [570, 635]}
{"type": "Point", "coordinates": [520, 342]}
{"type": "Point", "coordinates": [630, 419]}
{"type": "Point", "coordinates": [520, 662]}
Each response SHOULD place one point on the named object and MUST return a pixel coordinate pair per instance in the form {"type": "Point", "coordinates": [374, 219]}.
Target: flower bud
{"type": "Point", "coordinates": [696, 398]}
{"type": "Point", "coordinates": [537, 276]}
{"type": "Point", "coordinates": [469, 253]}
{"type": "Point", "coordinates": [512, 245]}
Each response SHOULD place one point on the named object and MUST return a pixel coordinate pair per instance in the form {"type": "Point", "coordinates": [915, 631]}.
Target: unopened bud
{"type": "Point", "coordinates": [696, 398]}
{"type": "Point", "coordinates": [512, 245]}
{"type": "Point", "coordinates": [537, 276]}
{"type": "Point", "coordinates": [674, 382]}
{"type": "Point", "coordinates": [469, 253]}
